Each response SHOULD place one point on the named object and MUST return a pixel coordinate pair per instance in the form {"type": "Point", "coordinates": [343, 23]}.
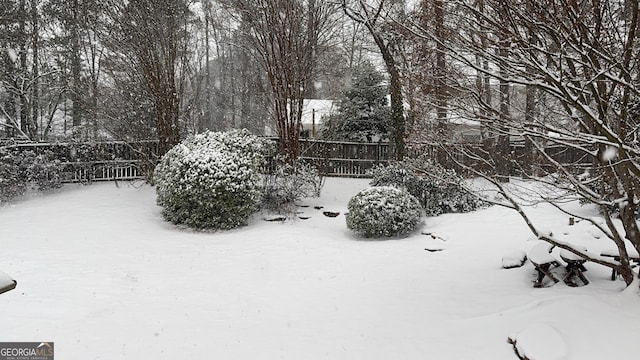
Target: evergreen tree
{"type": "Point", "coordinates": [363, 111]}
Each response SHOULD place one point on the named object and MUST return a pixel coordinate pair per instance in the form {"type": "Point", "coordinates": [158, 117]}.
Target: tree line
{"type": "Point", "coordinates": [86, 69]}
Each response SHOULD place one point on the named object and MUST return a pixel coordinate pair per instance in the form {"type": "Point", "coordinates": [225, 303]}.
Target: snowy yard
{"type": "Point", "coordinates": [103, 276]}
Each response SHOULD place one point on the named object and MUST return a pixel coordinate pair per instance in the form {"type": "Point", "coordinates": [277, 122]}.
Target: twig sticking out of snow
{"type": "Point", "coordinates": [436, 243]}
{"type": "Point", "coordinates": [434, 237]}
{"type": "Point", "coordinates": [514, 343]}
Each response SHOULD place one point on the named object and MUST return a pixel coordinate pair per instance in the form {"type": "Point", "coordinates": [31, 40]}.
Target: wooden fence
{"type": "Point", "coordinates": [103, 161]}
{"type": "Point", "coordinates": [350, 159]}
{"type": "Point", "coordinates": [98, 161]}
{"type": "Point", "coordinates": [346, 159]}
{"type": "Point", "coordinates": [102, 171]}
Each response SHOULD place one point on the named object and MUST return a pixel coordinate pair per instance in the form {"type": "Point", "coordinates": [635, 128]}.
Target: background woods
{"type": "Point", "coordinates": [87, 70]}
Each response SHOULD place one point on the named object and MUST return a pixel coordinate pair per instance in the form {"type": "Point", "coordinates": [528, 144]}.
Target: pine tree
{"type": "Point", "coordinates": [363, 111]}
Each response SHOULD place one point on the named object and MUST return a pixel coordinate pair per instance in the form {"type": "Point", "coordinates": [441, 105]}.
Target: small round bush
{"type": "Point", "coordinates": [383, 211]}
{"type": "Point", "coordinates": [211, 180]}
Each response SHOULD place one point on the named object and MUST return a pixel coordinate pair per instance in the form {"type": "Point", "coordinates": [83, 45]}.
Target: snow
{"type": "Point", "coordinates": [104, 277]}
{"type": "Point", "coordinates": [513, 259]}
{"type": "Point", "coordinates": [541, 342]}
{"type": "Point", "coordinates": [314, 109]}
{"type": "Point", "coordinates": [541, 253]}
{"type": "Point", "coordinates": [570, 256]}
{"type": "Point", "coordinates": [13, 55]}
{"type": "Point", "coordinates": [610, 153]}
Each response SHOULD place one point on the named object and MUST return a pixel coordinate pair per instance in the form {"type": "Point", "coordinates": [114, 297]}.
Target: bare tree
{"type": "Point", "coordinates": [152, 38]}
{"type": "Point", "coordinates": [31, 84]}
{"type": "Point", "coordinates": [429, 74]}
{"type": "Point", "coordinates": [74, 28]}
{"type": "Point", "coordinates": [285, 35]}
{"type": "Point", "coordinates": [431, 16]}
{"type": "Point", "coordinates": [584, 60]}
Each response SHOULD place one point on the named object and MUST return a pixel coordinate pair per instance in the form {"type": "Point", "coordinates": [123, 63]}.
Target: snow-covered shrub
{"type": "Point", "coordinates": [21, 171]}
{"type": "Point", "coordinates": [438, 189]}
{"type": "Point", "coordinates": [13, 181]}
{"type": "Point", "coordinates": [43, 171]}
{"type": "Point", "coordinates": [383, 211]}
{"type": "Point", "coordinates": [288, 183]}
{"type": "Point", "coordinates": [211, 180]}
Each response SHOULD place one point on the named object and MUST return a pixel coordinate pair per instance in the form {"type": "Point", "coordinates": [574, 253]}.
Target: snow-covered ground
{"type": "Point", "coordinates": [103, 276]}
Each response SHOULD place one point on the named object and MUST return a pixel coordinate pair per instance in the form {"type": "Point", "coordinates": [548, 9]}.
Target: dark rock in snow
{"type": "Point", "coordinates": [330, 213]}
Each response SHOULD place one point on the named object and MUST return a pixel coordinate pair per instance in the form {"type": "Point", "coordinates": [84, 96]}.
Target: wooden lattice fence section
{"type": "Point", "coordinates": [102, 161]}
{"type": "Point", "coordinates": [98, 161]}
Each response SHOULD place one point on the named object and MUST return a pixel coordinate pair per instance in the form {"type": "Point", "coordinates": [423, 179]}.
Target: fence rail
{"type": "Point", "coordinates": [334, 167]}
{"type": "Point", "coordinates": [82, 172]}
{"type": "Point", "coordinates": [104, 161]}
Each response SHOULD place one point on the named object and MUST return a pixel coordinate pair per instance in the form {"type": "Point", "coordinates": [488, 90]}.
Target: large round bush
{"type": "Point", "coordinates": [383, 211]}
{"type": "Point", "coordinates": [211, 180]}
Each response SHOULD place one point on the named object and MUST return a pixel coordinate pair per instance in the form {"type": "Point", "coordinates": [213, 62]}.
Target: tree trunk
{"type": "Point", "coordinates": [75, 65]}
{"type": "Point", "coordinates": [167, 110]}
{"type": "Point", "coordinates": [503, 146]}
{"type": "Point", "coordinates": [207, 68]}
{"type": "Point", "coordinates": [23, 102]}
{"type": "Point", "coordinates": [398, 126]}
{"type": "Point", "coordinates": [440, 71]}
{"type": "Point", "coordinates": [312, 43]}
{"type": "Point", "coordinates": [33, 122]}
